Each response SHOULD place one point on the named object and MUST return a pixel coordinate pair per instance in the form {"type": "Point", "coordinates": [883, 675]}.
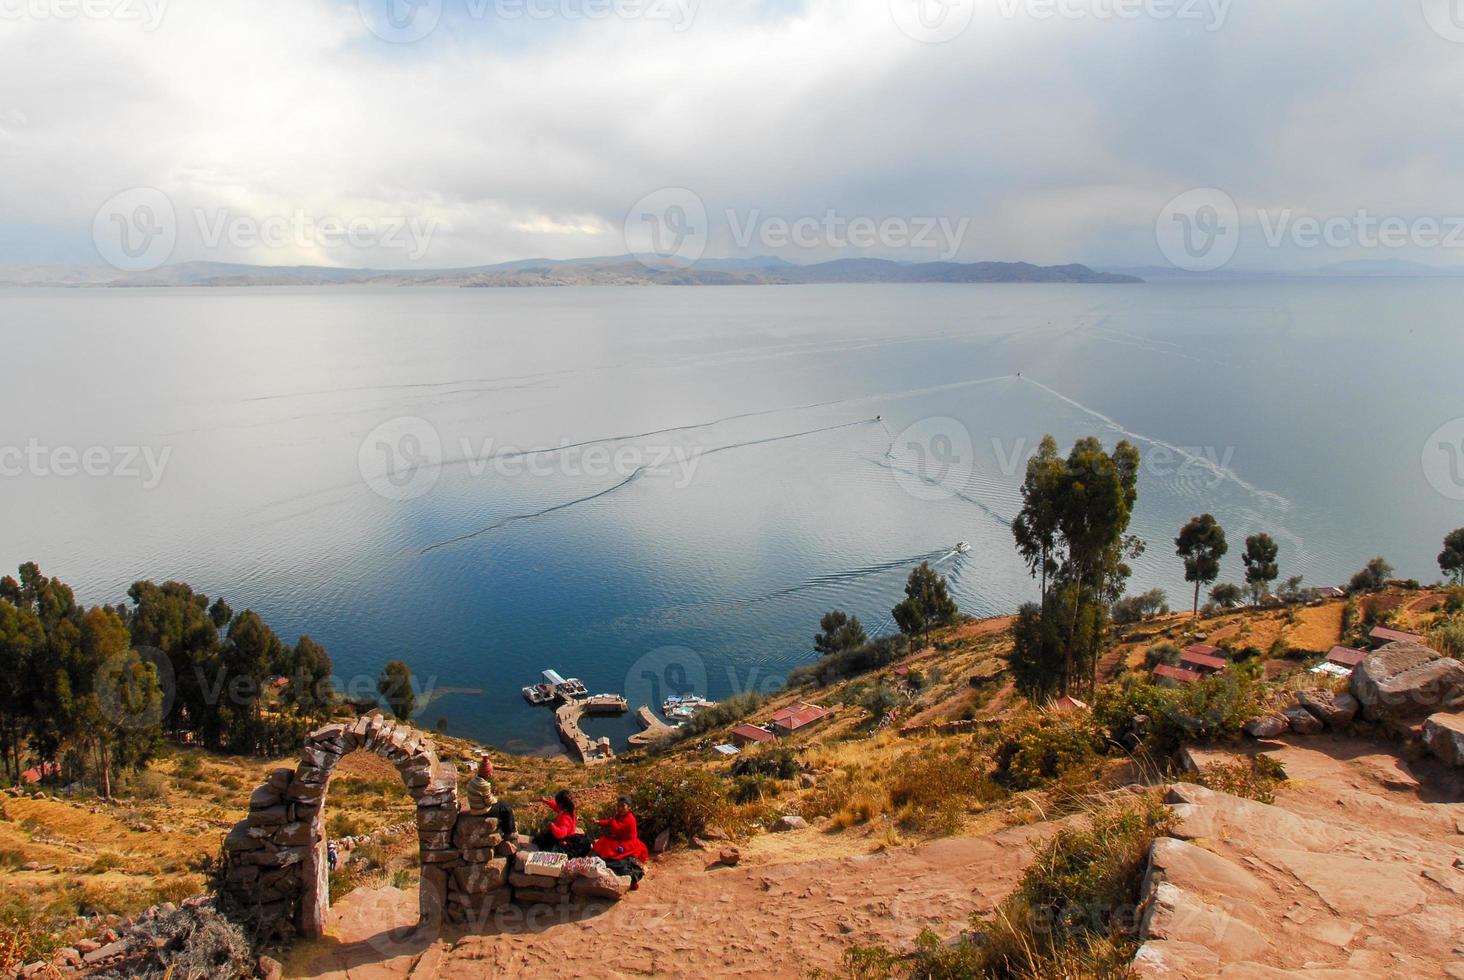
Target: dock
{"type": "Point", "coordinates": [585, 750]}
{"type": "Point", "coordinates": [652, 728]}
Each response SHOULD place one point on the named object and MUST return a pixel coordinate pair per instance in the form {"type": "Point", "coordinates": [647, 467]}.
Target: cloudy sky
{"type": "Point", "coordinates": [443, 133]}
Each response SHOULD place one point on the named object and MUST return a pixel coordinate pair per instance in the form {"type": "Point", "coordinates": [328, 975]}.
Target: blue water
{"type": "Point", "coordinates": [1302, 408]}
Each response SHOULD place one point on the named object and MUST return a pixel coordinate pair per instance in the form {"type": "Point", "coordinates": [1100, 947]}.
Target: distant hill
{"type": "Point", "coordinates": [603, 271]}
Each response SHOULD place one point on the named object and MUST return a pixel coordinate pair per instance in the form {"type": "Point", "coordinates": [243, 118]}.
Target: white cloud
{"type": "Point", "coordinates": [1060, 138]}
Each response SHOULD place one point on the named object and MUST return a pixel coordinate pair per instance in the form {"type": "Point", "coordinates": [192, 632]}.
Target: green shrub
{"type": "Point", "coordinates": [1254, 780]}
{"type": "Point", "coordinates": [779, 762]}
{"type": "Point", "coordinates": [680, 800]}
{"type": "Point", "coordinates": [1448, 638]}
{"type": "Point", "coordinates": [1164, 653]}
{"type": "Point", "coordinates": [1054, 747]}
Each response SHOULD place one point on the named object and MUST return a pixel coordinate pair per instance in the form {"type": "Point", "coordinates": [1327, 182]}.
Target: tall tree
{"type": "Point", "coordinates": [1201, 543]}
{"type": "Point", "coordinates": [1374, 576]}
{"type": "Point", "coordinates": [1451, 559]}
{"type": "Point", "coordinates": [1036, 525]}
{"type": "Point", "coordinates": [927, 604]}
{"type": "Point", "coordinates": [395, 687]}
{"type": "Point", "coordinates": [1260, 565]}
{"type": "Point", "coordinates": [1096, 497]}
{"type": "Point", "coordinates": [839, 632]}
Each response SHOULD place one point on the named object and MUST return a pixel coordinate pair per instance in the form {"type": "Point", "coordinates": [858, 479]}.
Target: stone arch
{"type": "Point", "coordinates": [275, 858]}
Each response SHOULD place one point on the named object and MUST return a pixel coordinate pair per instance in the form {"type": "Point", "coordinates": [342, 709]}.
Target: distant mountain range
{"type": "Point", "coordinates": [604, 271]}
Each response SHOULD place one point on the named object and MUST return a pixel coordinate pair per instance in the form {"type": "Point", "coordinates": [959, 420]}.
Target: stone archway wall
{"type": "Point", "coordinates": [276, 857]}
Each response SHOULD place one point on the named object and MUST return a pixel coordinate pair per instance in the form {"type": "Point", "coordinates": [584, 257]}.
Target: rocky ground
{"type": "Point", "coordinates": [1356, 871]}
{"type": "Point", "coordinates": [774, 915]}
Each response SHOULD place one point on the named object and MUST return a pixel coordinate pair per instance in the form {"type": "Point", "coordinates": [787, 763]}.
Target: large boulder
{"type": "Point", "coordinates": [1444, 736]}
{"type": "Point", "coordinates": [1302, 721]}
{"type": "Point", "coordinates": [1333, 710]}
{"type": "Point", "coordinates": [1267, 726]}
{"type": "Point", "coordinates": [1407, 682]}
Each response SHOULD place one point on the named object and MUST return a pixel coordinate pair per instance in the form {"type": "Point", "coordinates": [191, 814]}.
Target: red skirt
{"type": "Point", "coordinates": [616, 850]}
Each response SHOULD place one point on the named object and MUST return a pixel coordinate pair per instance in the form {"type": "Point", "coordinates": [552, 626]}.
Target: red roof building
{"type": "Point", "coordinates": [1346, 656]}
{"type": "Point", "coordinates": [1205, 650]}
{"type": "Point", "coordinates": [745, 734]}
{"type": "Point", "coordinates": [1068, 703]}
{"type": "Point", "coordinates": [1381, 636]}
{"type": "Point", "coordinates": [1176, 674]}
{"type": "Point", "coordinates": [1202, 663]}
{"type": "Point", "coordinates": [800, 715]}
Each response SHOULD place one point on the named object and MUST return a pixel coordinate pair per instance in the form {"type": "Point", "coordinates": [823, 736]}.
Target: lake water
{"type": "Point", "coordinates": [351, 463]}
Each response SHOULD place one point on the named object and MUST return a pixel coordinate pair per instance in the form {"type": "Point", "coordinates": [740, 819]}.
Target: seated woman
{"type": "Point", "coordinates": [563, 833]}
{"type": "Point", "coordinates": [621, 840]}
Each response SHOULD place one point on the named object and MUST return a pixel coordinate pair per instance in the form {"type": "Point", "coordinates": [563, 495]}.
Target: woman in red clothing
{"type": "Point", "coordinates": [563, 833]}
{"type": "Point", "coordinates": [620, 840]}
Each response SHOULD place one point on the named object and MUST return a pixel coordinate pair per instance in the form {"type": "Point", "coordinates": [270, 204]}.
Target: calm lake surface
{"type": "Point", "coordinates": [351, 463]}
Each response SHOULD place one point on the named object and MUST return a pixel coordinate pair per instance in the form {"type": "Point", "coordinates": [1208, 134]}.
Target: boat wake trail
{"type": "Point", "coordinates": [839, 578]}
{"type": "Point", "coordinates": [517, 518]}
{"type": "Point", "coordinates": [641, 470]}
{"type": "Point", "coordinates": [958, 494]}
{"type": "Point", "coordinates": [1220, 471]}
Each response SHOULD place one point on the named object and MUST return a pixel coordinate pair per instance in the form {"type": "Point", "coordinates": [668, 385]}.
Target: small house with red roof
{"type": "Point", "coordinates": [1174, 676]}
{"type": "Point", "coordinates": [796, 717]}
{"type": "Point", "coordinates": [1382, 636]}
{"type": "Point", "coordinates": [746, 734]}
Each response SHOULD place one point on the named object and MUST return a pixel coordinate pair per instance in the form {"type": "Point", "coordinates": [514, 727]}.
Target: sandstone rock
{"type": "Point", "coordinates": [1302, 721]}
{"type": "Point", "coordinates": [265, 798]}
{"type": "Point", "coordinates": [663, 841]}
{"type": "Point", "coordinates": [107, 952]}
{"type": "Point", "coordinates": [88, 946]}
{"type": "Point", "coordinates": [1333, 710]}
{"type": "Point", "coordinates": [268, 817]}
{"type": "Point", "coordinates": [476, 879]}
{"type": "Point", "coordinates": [1267, 726]}
{"type": "Point", "coordinates": [1175, 914]}
{"type": "Point", "coordinates": [279, 779]}
{"type": "Point", "coordinates": [612, 887]}
{"type": "Point", "coordinates": [435, 818]}
{"type": "Point", "coordinates": [807, 780]}
{"type": "Point", "coordinates": [1444, 736]}
{"type": "Point", "coordinates": [240, 839]}
{"type": "Point", "coordinates": [69, 956]}
{"type": "Point", "coordinates": [475, 831]}
{"type": "Point", "coordinates": [1199, 871]}
{"type": "Point", "coordinates": [789, 822]}
{"type": "Point", "coordinates": [1407, 681]}
{"type": "Point", "coordinates": [730, 856]}
{"type": "Point", "coordinates": [270, 969]}
{"type": "Point", "coordinates": [1160, 958]}
{"type": "Point", "coordinates": [432, 897]}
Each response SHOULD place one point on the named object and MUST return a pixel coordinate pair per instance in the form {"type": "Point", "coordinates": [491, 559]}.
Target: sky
{"type": "Point", "coordinates": [1201, 134]}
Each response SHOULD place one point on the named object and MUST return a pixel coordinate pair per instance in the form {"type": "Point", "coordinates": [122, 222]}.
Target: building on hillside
{"type": "Point", "coordinates": [1328, 592]}
{"type": "Point", "coordinates": [796, 717]}
{"type": "Point", "coordinates": [1345, 657]}
{"type": "Point", "coordinates": [746, 734]}
{"type": "Point", "coordinates": [1382, 636]}
{"type": "Point", "coordinates": [1069, 703]}
{"type": "Point", "coordinates": [726, 750]}
{"type": "Point", "coordinates": [1203, 659]}
{"type": "Point", "coordinates": [1174, 676]}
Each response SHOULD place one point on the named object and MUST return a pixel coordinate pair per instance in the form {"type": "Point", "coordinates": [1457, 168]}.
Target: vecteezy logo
{"type": "Point", "coordinates": [667, 228]}
{"type": "Point", "coordinates": [933, 21]}
{"type": "Point", "coordinates": [136, 230]}
{"type": "Point", "coordinates": [1443, 460]}
{"type": "Point", "coordinates": [1199, 230]}
{"type": "Point", "coordinates": [933, 459]}
{"type": "Point", "coordinates": [401, 459]}
{"type": "Point", "coordinates": [400, 21]}
{"type": "Point", "coordinates": [1446, 17]}
{"type": "Point", "coordinates": [663, 673]}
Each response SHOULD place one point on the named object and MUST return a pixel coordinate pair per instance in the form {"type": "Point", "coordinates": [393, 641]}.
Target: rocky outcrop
{"type": "Point", "coordinates": [1267, 726]}
{"type": "Point", "coordinates": [1405, 682]}
{"type": "Point", "coordinates": [1336, 711]}
{"type": "Point", "coordinates": [1302, 721]}
{"type": "Point", "coordinates": [1443, 734]}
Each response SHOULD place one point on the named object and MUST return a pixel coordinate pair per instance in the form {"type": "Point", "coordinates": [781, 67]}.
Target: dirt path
{"type": "Point", "coordinates": [770, 917]}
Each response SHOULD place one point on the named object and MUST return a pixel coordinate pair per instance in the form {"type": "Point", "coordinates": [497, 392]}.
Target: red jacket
{"type": "Point", "coordinates": [621, 840]}
{"type": "Point", "coordinates": [563, 825]}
